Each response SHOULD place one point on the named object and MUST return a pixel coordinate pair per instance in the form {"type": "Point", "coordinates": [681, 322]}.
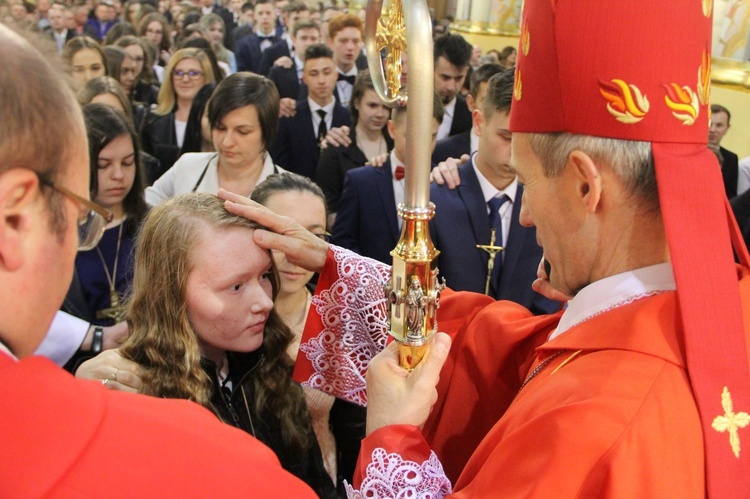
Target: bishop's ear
{"type": "Point", "coordinates": [19, 204]}
{"type": "Point", "coordinates": [587, 179]}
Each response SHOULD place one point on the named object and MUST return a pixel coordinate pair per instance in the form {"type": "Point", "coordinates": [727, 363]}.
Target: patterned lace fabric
{"type": "Point", "coordinates": [355, 327]}
{"type": "Point", "coordinates": [390, 476]}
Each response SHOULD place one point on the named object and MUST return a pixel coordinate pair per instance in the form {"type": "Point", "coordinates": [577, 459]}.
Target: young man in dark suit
{"type": "Point", "coordinates": [58, 32]}
{"type": "Point", "coordinates": [464, 217]}
{"type": "Point", "coordinates": [345, 35]}
{"type": "Point", "coordinates": [452, 54]}
{"type": "Point", "coordinates": [467, 142]}
{"type": "Point", "coordinates": [367, 221]}
{"type": "Point", "coordinates": [279, 52]}
{"type": "Point", "coordinates": [286, 73]}
{"type": "Point", "coordinates": [720, 117]}
{"type": "Point", "coordinates": [244, 26]}
{"type": "Point", "coordinates": [250, 48]}
{"type": "Point", "coordinates": [296, 146]}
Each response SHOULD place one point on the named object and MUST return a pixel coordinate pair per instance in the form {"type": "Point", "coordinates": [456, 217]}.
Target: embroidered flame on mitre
{"type": "Point", "coordinates": [525, 38]}
{"type": "Point", "coordinates": [704, 78]}
{"type": "Point", "coordinates": [625, 102]}
{"type": "Point", "coordinates": [518, 84]}
{"type": "Point", "coordinates": [708, 7]}
{"type": "Point", "coordinates": [683, 102]}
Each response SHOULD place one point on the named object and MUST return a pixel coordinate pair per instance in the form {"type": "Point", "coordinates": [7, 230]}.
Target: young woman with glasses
{"type": "Point", "coordinates": [146, 89]}
{"type": "Point", "coordinates": [163, 132]}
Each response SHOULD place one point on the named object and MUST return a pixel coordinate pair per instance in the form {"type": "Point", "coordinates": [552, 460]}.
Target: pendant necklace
{"type": "Point", "coordinates": [116, 310]}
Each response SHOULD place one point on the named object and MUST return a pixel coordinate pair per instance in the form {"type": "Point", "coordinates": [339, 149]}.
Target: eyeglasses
{"type": "Point", "coordinates": [91, 222]}
{"type": "Point", "coordinates": [192, 74]}
{"type": "Point", "coordinates": [325, 236]}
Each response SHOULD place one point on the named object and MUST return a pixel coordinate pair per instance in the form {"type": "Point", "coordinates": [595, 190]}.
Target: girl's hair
{"type": "Point", "coordinates": [247, 89]}
{"type": "Point", "coordinates": [103, 125]}
{"type": "Point", "coordinates": [166, 35]}
{"type": "Point", "coordinates": [362, 84]}
{"type": "Point", "coordinates": [167, 98]}
{"type": "Point", "coordinates": [193, 136]}
{"type": "Point", "coordinates": [78, 43]}
{"type": "Point", "coordinates": [122, 28]}
{"type": "Point", "coordinates": [205, 24]}
{"type": "Point", "coordinates": [163, 341]}
{"type": "Point", "coordinates": [286, 182]}
{"type": "Point", "coordinates": [105, 85]}
{"type": "Point", "coordinates": [114, 57]}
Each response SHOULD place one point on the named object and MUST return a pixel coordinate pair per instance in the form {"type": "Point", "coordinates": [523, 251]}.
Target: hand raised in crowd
{"type": "Point", "coordinates": [287, 107]}
{"type": "Point", "coordinates": [284, 62]}
{"type": "Point", "coordinates": [544, 287]}
{"type": "Point", "coordinates": [337, 136]}
{"type": "Point", "coordinates": [113, 371]}
{"type": "Point", "coordinates": [447, 172]}
{"type": "Point", "coordinates": [301, 247]}
{"type": "Point", "coordinates": [378, 161]}
{"type": "Point", "coordinates": [397, 396]}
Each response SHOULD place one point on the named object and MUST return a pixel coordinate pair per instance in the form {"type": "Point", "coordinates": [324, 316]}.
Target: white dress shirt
{"type": "Point", "coordinates": [506, 210]}
{"type": "Point", "coordinates": [743, 175]}
{"type": "Point", "coordinates": [615, 291]}
{"type": "Point", "coordinates": [328, 108]}
{"type": "Point", "coordinates": [345, 89]}
{"type": "Point", "coordinates": [444, 129]}
{"type": "Point", "coordinates": [63, 339]}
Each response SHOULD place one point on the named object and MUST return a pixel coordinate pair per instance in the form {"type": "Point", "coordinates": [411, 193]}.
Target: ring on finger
{"type": "Point", "coordinates": [114, 375]}
{"type": "Point", "coordinates": [104, 381]}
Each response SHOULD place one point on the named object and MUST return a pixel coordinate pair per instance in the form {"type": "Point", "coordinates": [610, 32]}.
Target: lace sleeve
{"type": "Point", "coordinates": [346, 326]}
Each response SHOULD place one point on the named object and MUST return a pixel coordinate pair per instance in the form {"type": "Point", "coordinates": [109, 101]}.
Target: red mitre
{"type": "Point", "coordinates": [635, 70]}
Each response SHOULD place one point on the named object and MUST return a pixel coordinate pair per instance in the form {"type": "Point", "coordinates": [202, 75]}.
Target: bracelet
{"type": "Point", "coordinates": [97, 342]}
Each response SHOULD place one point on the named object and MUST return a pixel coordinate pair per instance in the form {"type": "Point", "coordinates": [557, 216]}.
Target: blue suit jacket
{"type": "Point", "coordinates": [453, 146]}
{"type": "Point", "coordinates": [278, 49]}
{"type": "Point", "coordinates": [366, 221]}
{"type": "Point", "coordinates": [248, 53]}
{"type": "Point", "coordinates": [295, 147]}
{"type": "Point", "coordinates": [461, 222]}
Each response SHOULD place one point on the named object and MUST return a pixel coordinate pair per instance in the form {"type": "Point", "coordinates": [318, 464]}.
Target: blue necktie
{"type": "Point", "coordinates": [496, 223]}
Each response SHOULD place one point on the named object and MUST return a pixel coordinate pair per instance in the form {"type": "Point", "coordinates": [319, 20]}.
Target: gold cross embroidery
{"type": "Point", "coordinates": [731, 422]}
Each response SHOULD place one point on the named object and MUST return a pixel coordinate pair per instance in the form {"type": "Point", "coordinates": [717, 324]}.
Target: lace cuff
{"type": "Point", "coordinates": [346, 326]}
{"type": "Point", "coordinates": [390, 476]}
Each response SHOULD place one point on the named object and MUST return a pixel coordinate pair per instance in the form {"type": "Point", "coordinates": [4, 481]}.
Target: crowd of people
{"type": "Point", "coordinates": [236, 208]}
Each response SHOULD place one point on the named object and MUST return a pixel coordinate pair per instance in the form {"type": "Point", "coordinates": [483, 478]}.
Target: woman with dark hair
{"type": "Point", "coordinates": [197, 132]}
{"type": "Point", "coordinates": [121, 66]}
{"type": "Point", "coordinates": [118, 31]}
{"type": "Point", "coordinates": [155, 28]}
{"type": "Point", "coordinates": [339, 426]}
{"type": "Point", "coordinates": [243, 114]}
{"type": "Point", "coordinates": [369, 138]}
{"type": "Point", "coordinates": [203, 328]}
{"type": "Point", "coordinates": [104, 274]}
{"type": "Point", "coordinates": [145, 90]}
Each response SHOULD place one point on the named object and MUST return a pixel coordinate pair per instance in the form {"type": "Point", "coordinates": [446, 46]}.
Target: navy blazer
{"type": "Point", "coordinates": [248, 53]}
{"type": "Point", "coordinates": [367, 221]}
{"type": "Point", "coordinates": [278, 49]}
{"type": "Point", "coordinates": [295, 147]}
{"type": "Point", "coordinates": [286, 82]}
{"type": "Point", "coordinates": [461, 222]}
{"type": "Point", "coordinates": [730, 170]}
{"type": "Point", "coordinates": [453, 146]}
{"type": "Point", "coordinates": [461, 117]}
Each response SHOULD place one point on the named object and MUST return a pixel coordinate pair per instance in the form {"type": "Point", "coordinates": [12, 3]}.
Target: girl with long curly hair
{"type": "Point", "coordinates": [203, 328]}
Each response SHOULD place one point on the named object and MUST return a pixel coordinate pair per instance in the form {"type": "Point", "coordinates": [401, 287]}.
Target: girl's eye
{"type": "Point", "coordinates": [237, 286]}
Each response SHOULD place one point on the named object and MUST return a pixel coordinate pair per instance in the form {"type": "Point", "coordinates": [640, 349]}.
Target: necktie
{"type": "Point", "coordinates": [400, 172]}
{"type": "Point", "coordinates": [496, 223]}
{"type": "Point", "coordinates": [350, 79]}
{"type": "Point", "coordinates": [322, 129]}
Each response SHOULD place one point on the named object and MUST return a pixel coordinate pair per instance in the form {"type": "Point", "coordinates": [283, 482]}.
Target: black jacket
{"type": "Point", "coordinates": [159, 139]}
{"type": "Point", "coordinates": [237, 409]}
